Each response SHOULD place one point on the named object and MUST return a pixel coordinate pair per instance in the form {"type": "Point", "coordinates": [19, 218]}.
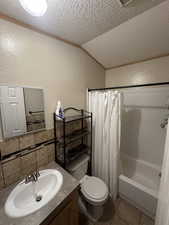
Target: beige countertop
{"type": "Point", "coordinates": [69, 185]}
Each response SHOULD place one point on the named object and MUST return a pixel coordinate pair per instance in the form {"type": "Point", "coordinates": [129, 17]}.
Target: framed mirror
{"type": "Point", "coordinates": [21, 110]}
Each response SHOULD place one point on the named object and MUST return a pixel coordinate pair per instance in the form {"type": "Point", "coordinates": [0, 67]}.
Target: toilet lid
{"type": "Point", "coordinates": [94, 188]}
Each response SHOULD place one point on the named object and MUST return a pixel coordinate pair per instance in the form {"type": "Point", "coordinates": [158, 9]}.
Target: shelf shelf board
{"type": "Point", "coordinates": [83, 150]}
{"type": "Point", "coordinates": [72, 164]}
{"type": "Point", "coordinates": [69, 119]}
{"type": "Point", "coordinates": [76, 157]}
{"type": "Point", "coordinates": [73, 137]}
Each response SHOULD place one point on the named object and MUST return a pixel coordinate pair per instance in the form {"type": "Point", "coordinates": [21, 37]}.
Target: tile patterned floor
{"type": "Point", "coordinates": [126, 214]}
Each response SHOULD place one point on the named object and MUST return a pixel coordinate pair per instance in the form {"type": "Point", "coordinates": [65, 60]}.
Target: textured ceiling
{"type": "Point", "coordinates": [144, 36]}
{"type": "Point", "coordinates": [78, 20]}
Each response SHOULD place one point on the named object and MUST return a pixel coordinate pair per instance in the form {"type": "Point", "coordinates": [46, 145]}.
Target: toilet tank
{"type": "Point", "coordinates": [78, 169]}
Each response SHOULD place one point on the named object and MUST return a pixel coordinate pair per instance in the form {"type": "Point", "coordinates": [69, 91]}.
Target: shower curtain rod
{"type": "Point", "coordinates": [129, 86]}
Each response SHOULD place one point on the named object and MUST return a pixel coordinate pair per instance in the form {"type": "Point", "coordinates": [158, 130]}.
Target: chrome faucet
{"type": "Point", "coordinates": [32, 177]}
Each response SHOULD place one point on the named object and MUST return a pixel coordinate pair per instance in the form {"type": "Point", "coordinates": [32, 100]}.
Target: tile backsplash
{"type": "Point", "coordinates": [24, 154]}
{"type": "Point", "coordinates": [9, 146]}
{"type": "Point", "coordinates": [26, 141]}
{"type": "Point", "coordinates": [45, 135]}
{"type": "Point", "coordinates": [1, 178]}
{"type": "Point", "coordinates": [13, 169]}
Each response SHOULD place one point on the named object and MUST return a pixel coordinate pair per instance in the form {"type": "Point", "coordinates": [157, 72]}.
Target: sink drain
{"type": "Point", "coordinates": [38, 198]}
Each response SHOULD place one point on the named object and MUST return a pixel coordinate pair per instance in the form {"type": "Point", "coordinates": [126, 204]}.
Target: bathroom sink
{"type": "Point", "coordinates": [28, 198]}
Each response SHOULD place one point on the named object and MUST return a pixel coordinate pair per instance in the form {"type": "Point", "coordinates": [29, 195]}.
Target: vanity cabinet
{"type": "Point", "coordinates": [67, 213]}
{"type": "Point", "coordinates": [66, 217]}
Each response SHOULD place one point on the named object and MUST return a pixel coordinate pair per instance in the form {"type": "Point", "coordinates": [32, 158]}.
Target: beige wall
{"type": "Point", "coordinates": [143, 138]}
{"type": "Point", "coordinates": [156, 70]}
{"type": "Point", "coordinates": [32, 59]}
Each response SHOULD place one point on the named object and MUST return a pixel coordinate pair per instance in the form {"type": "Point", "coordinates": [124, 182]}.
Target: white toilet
{"type": "Point", "coordinates": [94, 192]}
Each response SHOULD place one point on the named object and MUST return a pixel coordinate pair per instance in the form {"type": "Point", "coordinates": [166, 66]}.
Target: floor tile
{"type": "Point", "coordinates": [129, 213]}
{"type": "Point", "coordinates": [145, 220]}
{"type": "Point", "coordinates": [102, 223]}
{"type": "Point", "coordinates": [117, 203]}
{"type": "Point", "coordinates": [117, 221]}
{"type": "Point", "coordinates": [108, 212]}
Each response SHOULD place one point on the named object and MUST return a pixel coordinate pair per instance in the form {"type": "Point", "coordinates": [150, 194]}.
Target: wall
{"type": "Point", "coordinates": [143, 111]}
{"type": "Point", "coordinates": [142, 136]}
{"type": "Point", "coordinates": [63, 71]}
{"type": "Point", "coordinates": [156, 70]}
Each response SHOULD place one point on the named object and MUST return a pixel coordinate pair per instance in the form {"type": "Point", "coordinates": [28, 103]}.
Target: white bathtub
{"type": "Point", "coordinates": [139, 184]}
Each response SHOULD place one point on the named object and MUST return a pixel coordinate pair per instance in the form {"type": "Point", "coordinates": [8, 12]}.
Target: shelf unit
{"type": "Point", "coordinates": [71, 146]}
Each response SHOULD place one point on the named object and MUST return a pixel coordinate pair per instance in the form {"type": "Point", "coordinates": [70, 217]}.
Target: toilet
{"type": "Point", "coordinates": [93, 191]}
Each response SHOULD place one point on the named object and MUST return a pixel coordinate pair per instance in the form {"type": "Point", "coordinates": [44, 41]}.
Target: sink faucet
{"type": "Point", "coordinates": [32, 177]}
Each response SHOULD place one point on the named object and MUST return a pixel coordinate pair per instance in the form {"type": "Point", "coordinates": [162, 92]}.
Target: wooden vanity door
{"type": "Point", "coordinates": [67, 217]}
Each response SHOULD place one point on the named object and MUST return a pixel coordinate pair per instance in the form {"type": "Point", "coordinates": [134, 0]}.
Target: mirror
{"type": "Point", "coordinates": [34, 109]}
{"type": "Point", "coordinates": [21, 110]}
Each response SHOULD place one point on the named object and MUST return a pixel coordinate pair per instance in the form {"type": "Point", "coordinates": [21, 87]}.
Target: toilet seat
{"type": "Point", "coordinates": [94, 190]}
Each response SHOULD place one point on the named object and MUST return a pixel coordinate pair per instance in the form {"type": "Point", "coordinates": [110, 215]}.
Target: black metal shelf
{"type": "Point", "coordinates": [76, 152]}
{"type": "Point", "coordinates": [71, 118]}
{"type": "Point", "coordinates": [64, 153]}
{"type": "Point", "coordinates": [82, 114]}
{"type": "Point", "coordinates": [69, 139]}
{"type": "Point", "coordinates": [81, 158]}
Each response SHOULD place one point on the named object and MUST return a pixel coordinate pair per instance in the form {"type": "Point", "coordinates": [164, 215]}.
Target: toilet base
{"type": "Point", "coordinates": [92, 213]}
{"type": "Point", "coordinates": [103, 213]}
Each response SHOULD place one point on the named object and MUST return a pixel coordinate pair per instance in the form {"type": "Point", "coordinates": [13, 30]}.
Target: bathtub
{"type": "Point", "coordinates": [139, 184]}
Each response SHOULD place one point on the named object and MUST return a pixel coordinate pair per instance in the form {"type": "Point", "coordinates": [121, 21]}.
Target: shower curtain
{"type": "Point", "coordinates": [162, 215]}
{"type": "Point", "coordinates": [106, 109]}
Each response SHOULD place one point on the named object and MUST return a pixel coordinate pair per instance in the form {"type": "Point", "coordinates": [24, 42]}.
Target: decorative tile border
{"type": "Point", "coordinates": [38, 150]}
{"type": "Point", "coordinates": [16, 168]}
{"type": "Point", "coordinates": [25, 151]}
{"type": "Point", "coordinates": [21, 145]}
{"type": "Point", "coordinates": [24, 154]}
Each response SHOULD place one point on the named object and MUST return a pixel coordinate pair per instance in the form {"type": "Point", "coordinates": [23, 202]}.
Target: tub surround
{"type": "Point", "coordinates": [43, 215]}
{"type": "Point", "coordinates": [139, 184]}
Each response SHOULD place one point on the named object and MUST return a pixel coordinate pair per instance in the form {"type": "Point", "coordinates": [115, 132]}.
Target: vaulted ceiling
{"type": "Point", "coordinates": [78, 20]}
{"type": "Point", "coordinates": [112, 34]}
{"type": "Point", "coordinates": [143, 37]}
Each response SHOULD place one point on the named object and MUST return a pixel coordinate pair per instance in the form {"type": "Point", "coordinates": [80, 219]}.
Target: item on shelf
{"type": "Point", "coordinates": [59, 110]}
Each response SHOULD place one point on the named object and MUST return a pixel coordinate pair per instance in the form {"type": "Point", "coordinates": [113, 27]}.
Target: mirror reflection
{"type": "Point", "coordinates": [34, 109]}
{"type": "Point", "coordinates": [21, 110]}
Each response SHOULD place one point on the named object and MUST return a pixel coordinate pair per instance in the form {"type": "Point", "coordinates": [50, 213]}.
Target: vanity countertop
{"type": "Point", "coordinates": [69, 185]}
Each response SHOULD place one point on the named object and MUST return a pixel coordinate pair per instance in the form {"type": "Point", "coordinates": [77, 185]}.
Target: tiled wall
{"type": "Point", "coordinates": [37, 151]}
{"type": "Point", "coordinates": [15, 168]}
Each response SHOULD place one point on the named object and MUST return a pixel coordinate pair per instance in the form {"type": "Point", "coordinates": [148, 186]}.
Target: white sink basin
{"type": "Point", "coordinates": [22, 201]}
